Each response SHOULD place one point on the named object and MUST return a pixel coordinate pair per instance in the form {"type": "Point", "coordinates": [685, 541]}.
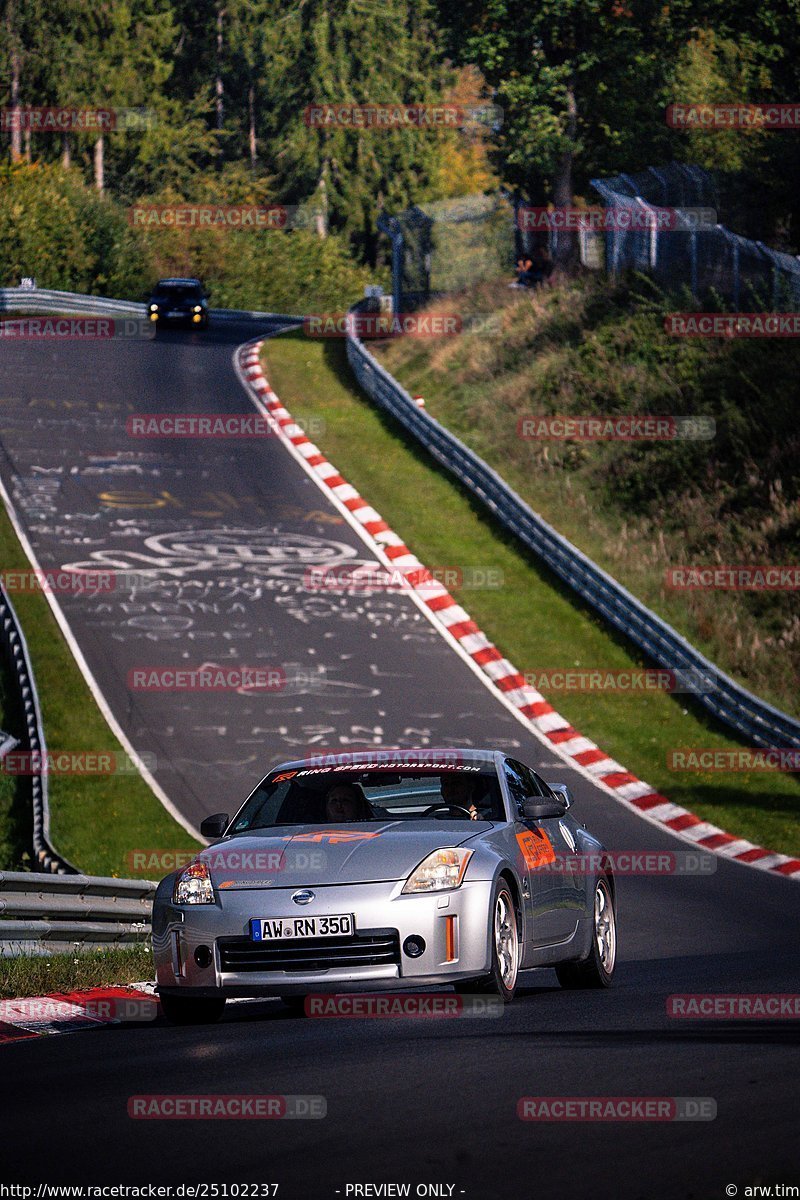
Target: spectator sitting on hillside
{"type": "Point", "coordinates": [533, 271]}
{"type": "Point", "coordinates": [524, 276]}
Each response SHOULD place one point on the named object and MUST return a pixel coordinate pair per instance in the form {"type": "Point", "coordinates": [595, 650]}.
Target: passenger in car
{"type": "Point", "coordinates": [347, 802]}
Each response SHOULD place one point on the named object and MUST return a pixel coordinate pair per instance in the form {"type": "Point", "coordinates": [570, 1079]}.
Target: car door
{"type": "Point", "coordinates": [545, 849]}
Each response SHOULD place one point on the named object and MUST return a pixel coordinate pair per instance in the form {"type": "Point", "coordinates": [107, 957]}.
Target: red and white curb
{"type": "Point", "coordinates": [452, 620]}
{"type": "Point", "coordinates": [68, 1012]}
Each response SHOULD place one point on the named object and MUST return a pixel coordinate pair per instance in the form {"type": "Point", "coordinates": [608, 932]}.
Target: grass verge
{"type": "Point", "coordinates": [531, 617]}
{"type": "Point", "coordinates": [95, 821]}
{"type": "Point", "coordinates": [35, 975]}
{"type": "Point", "coordinates": [639, 508]}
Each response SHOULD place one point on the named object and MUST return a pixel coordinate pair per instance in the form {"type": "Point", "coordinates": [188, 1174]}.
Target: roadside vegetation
{"type": "Point", "coordinates": [531, 617]}
{"type": "Point", "coordinates": [41, 975]}
{"type": "Point", "coordinates": [640, 509]}
{"type": "Point", "coordinates": [74, 240]}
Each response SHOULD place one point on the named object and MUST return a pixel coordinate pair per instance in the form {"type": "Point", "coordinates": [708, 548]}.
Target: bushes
{"type": "Point", "coordinates": [69, 238]}
{"type": "Point", "coordinates": [54, 228]}
{"type": "Point", "coordinates": [294, 272]}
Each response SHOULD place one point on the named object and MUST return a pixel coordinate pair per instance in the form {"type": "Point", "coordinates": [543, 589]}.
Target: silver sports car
{"type": "Point", "coordinates": [388, 870]}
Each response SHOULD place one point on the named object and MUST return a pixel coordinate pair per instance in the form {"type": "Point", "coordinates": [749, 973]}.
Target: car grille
{"type": "Point", "coordinates": [378, 948]}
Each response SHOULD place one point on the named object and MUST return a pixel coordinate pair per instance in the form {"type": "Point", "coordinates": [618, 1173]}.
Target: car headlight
{"type": "Point", "coordinates": [153, 308]}
{"type": "Point", "coordinates": [440, 871]}
{"type": "Point", "coordinates": [193, 886]}
{"type": "Point", "coordinates": [197, 308]}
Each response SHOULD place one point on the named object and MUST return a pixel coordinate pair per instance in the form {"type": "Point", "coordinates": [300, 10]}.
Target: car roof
{"type": "Point", "coordinates": [452, 757]}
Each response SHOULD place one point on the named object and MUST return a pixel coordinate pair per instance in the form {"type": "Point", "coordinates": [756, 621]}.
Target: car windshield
{"type": "Point", "coordinates": [178, 291]}
{"type": "Point", "coordinates": [321, 796]}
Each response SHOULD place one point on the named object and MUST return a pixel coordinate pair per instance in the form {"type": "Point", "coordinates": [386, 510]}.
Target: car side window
{"type": "Point", "coordinates": [543, 787]}
{"type": "Point", "coordinates": [521, 783]}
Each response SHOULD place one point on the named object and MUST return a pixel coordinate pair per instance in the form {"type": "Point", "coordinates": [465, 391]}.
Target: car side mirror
{"type": "Point", "coordinates": [562, 791]}
{"type": "Point", "coordinates": [540, 809]}
{"type": "Point", "coordinates": [214, 827]}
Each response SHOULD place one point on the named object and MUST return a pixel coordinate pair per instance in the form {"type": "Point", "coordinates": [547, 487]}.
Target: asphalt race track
{"type": "Point", "coordinates": [219, 534]}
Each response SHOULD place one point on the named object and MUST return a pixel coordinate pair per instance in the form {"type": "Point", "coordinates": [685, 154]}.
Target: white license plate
{"type": "Point", "coordinates": [276, 929]}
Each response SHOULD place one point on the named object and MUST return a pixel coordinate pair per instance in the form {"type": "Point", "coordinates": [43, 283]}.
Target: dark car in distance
{"type": "Point", "coordinates": [179, 301]}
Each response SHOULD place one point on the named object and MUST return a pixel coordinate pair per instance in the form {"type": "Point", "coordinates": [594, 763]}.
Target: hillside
{"type": "Point", "coordinates": [639, 508]}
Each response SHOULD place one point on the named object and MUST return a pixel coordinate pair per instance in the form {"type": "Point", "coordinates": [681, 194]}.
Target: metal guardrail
{"type": "Point", "coordinates": [56, 912]}
{"type": "Point", "coordinates": [740, 710]}
{"type": "Point", "coordinates": [46, 301]}
{"type": "Point", "coordinates": [15, 647]}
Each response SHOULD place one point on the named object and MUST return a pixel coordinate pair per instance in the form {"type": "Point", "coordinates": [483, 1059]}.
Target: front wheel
{"type": "Point", "coordinates": [190, 1010]}
{"type": "Point", "coordinates": [505, 950]}
{"type": "Point", "coordinates": [597, 970]}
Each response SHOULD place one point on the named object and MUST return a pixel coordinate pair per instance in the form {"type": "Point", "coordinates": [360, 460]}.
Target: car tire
{"type": "Point", "coordinates": [191, 1010]}
{"type": "Point", "coordinates": [597, 970]}
{"type": "Point", "coordinates": [505, 949]}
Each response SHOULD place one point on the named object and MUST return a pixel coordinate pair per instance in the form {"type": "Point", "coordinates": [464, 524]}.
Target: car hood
{"type": "Point", "coordinates": [315, 855]}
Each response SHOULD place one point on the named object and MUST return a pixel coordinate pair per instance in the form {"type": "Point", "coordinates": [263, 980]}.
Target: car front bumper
{"type": "Point", "coordinates": [179, 318]}
{"type": "Point", "coordinates": [454, 926]}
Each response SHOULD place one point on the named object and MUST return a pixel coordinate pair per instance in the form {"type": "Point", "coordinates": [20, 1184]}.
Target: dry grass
{"type": "Point", "coordinates": [638, 508]}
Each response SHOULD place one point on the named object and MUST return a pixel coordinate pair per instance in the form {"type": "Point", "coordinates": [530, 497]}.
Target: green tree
{"type": "Point", "coordinates": [579, 82]}
{"type": "Point", "coordinates": [352, 52]}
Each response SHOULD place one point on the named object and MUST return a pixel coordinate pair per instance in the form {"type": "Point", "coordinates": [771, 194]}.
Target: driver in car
{"type": "Point", "coordinates": [463, 792]}
{"type": "Point", "coordinates": [347, 802]}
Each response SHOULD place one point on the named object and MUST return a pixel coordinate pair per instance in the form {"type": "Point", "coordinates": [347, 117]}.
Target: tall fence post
{"type": "Point", "coordinates": [391, 227]}
{"type": "Point", "coordinates": [736, 287]}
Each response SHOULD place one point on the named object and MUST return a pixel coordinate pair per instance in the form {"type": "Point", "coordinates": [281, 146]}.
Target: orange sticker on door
{"type": "Point", "coordinates": [536, 847]}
